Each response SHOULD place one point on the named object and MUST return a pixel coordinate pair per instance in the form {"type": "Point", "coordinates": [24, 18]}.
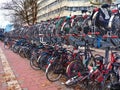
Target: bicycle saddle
{"type": "Point", "coordinates": [84, 11]}
{"type": "Point", "coordinates": [105, 6]}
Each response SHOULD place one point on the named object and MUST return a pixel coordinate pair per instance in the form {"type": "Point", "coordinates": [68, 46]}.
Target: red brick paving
{"type": "Point", "coordinates": [28, 78]}
{"type": "Point", "coordinates": [3, 85]}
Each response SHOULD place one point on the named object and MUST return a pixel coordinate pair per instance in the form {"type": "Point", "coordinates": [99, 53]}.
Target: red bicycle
{"type": "Point", "coordinates": [101, 76]}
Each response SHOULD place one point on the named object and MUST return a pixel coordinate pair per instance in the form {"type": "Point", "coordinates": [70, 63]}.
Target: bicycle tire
{"type": "Point", "coordinates": [34, 64]}
{"type": "Point", "coordinates": [43, 61]}
{"type": "Point", "coordinates": [51, 68]}
{"type": "Point", "coordinates": [21, 53]}
{"type": "Point", "coordinates": [73, 68]}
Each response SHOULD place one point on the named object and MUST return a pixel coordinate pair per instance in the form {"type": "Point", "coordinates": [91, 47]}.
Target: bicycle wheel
{"type": "Point", "coordinates": [21, 53]}
{"type": "Point", "coordinates": [115, 26]}
{"type": "Point", "coordinates": [27, 52]}
{"type": "Point", "coordinates": [34, 63]}
{"type": "Point", "coordinates": [43, 61]}
{"type": "Point", "coordinates": [15, 49]}
{"type": "Point", "coordinates": [52, 72]}
{"type": "Point", "coordinates": [74, 68]}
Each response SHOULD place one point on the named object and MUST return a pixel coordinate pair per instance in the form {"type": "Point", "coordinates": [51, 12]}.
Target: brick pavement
{"type": "Point", "coordinates": [27, 78]}
{"type": "Point", "coordinates": [3, 85]}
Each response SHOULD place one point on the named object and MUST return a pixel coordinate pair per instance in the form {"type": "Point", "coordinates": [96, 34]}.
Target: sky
{"type": "Point", "coordinates": [4, 20]}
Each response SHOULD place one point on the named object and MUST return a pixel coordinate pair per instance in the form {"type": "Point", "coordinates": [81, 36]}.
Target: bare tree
{"type": "Point", "coordinates": [109, 1]}
{"type": "Point", "coordinates": [99, 2]}
{"type": "Point", "coordinates": [33, 5]}
{"type": "Point", "coordinates": [96, 2]}
{"type": "Point", "coordinates": [26, 10]}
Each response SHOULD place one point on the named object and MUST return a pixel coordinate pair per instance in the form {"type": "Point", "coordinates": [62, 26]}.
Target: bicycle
{"type": "Point", "coordinates": [57, 64]}
{"type": "Point", "coordinates": [99, 77]}
{"type": "Point", "coordinates": [86, 58]}
{"type": "Point", "coordinates": [114, 22]}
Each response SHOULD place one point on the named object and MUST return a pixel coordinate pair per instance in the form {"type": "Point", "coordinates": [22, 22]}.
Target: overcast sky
{"type": "Point", "coordinates": [4, 20]}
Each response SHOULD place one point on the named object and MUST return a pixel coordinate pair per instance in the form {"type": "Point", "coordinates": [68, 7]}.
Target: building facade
{"type": "Point", "coordinates": [49, 9]}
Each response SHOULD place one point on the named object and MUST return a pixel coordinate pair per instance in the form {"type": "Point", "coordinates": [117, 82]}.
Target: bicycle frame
{"type": "Point", "coordinates": [104, 71]}
{"type": "Point", "coordinates": [112, 60]}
